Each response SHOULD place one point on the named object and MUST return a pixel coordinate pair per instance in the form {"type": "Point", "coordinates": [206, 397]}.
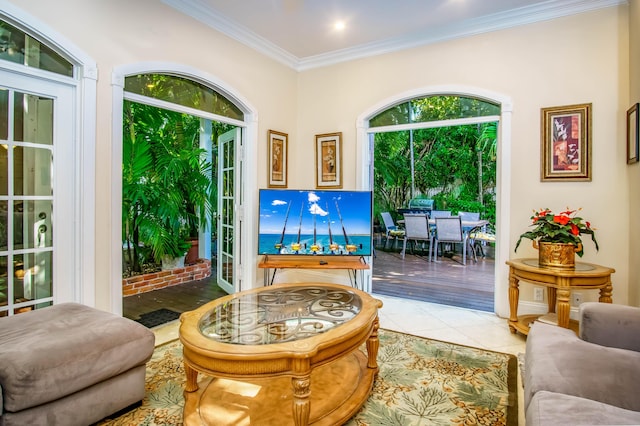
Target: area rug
{"type": "Point", "coordinates": [158, 317]}
{"type": "Point", "coordinates": [421, 382]}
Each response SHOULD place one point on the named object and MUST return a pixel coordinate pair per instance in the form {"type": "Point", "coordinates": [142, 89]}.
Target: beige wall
{"type": "Point", "coordinates": [579, 59]}
{"type": "Point", "coordinates": [570, 60]}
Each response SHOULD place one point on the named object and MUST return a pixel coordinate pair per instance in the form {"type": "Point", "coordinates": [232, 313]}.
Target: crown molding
{"type": "Point", "coordinates": [201, 12]}
{"type": "Point", "coordinates": [545, 11]}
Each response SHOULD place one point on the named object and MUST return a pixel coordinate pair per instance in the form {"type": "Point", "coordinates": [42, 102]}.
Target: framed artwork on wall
{"type": "Point", "coordinates": [277, 167]}
{"type": "Point", "coordinates": [566, 143]}
{"type": "Point", "coordinates": [633, 124]}
{"type": "Point", "coordinates": [329, 160]}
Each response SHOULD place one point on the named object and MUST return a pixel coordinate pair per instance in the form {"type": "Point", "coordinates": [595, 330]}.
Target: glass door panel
{"type": "Point", "coordinates": [227, 232]}
{"type": "Point", "coordinates": [26, 201]}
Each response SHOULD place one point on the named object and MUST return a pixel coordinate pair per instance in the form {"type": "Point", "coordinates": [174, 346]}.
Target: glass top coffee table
{"type": "Point", "coordinates": [284, 354]}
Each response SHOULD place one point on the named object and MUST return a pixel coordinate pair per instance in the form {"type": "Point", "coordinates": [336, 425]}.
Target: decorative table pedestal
{"type": "Point", "coordinates": [279, 355]}
{"type": "Point", "coordinates": [559, 283]}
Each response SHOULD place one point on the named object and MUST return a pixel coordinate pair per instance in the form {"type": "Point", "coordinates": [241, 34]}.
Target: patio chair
{"type": "Point", "coordinates": [416, 227]}
{"type": "Point", "coordinates": [392, 230]}
{"type": "Point", "coordinates": [440, 213]}
{"type": "Point", "coordinates": [449, 230]}
{"type": "Point", "coordinates": [469, 216]}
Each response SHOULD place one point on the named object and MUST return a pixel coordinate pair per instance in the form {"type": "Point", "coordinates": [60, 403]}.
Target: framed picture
{"type": "Point", "coordinates": [566, 143]}
{"type": "Point", "coordinates": [277, 167]}
{"type": "Point", "coordinates": [329, 160]}
{"type": "Point", "coordinates": [633, 126]}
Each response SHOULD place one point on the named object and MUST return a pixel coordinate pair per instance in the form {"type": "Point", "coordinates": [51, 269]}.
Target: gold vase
{"type": "Point", "coordinates": [556, 255]}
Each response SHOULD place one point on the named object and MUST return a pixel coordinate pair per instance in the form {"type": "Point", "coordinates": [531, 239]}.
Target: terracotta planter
{"type": "Point", "coordinates": [556, 255]}
{"type": "Point", "coordinates": [192, 254]}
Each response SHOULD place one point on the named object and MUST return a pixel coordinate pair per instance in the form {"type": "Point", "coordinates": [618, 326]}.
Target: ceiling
{"type": "Point", "coordinates": [301, 33]}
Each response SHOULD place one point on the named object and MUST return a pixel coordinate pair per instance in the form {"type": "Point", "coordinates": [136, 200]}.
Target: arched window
{"type": "Point", "coordinates": [434, 108]}
{"type": "Point", "coordinates": [19, 47]}
{"type": "Point", "coordinates": [182, 91]}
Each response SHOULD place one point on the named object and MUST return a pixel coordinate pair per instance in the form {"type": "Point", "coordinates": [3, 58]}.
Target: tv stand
{"type": "Point", "coordinates": [352, 264]}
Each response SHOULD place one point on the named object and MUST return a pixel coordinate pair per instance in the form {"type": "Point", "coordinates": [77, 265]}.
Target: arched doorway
{"type": "Point", "coordinates": [238, 208]}
{"type": "Point", "coordinates": [365, 165]}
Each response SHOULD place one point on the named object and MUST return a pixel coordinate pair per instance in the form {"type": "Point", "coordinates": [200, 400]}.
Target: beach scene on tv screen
{"type": "Point", "coordinates": [314, 222]}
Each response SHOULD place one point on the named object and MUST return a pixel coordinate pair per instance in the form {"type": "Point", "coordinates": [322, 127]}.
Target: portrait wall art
{"type": "Point", "coordinates": [329, 160]}
{"type": "Point", "coordinates": [566, 143]}
{"type": "Point", "coordinates": [277, 167]}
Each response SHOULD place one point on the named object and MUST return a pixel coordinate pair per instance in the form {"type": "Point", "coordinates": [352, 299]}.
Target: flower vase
{"type": "Point", "coordinates": [556, 255]}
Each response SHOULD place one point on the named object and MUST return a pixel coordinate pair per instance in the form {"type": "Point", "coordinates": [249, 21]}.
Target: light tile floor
{"type": "Point", "coordinates": [440, 322]}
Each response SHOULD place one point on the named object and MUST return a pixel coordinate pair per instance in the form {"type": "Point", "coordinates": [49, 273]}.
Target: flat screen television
{"type": "Point", "coordinates": [315, 222]}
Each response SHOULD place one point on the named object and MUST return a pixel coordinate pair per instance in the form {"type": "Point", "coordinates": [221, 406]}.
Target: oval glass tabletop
{"type": "Point", "coordinates": [280, 315]}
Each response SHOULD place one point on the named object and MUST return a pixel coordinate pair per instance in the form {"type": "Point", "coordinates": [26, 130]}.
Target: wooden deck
{"type": "Point", "coordinates": [446, 281]}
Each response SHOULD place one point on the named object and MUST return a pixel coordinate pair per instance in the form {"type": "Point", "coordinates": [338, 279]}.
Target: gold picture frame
{"type": "Point", "coordinates": [277, 159]}
{"type": "Point", "coordinates": [329, 160]}
{"type": "Point", "coordinates": [566, 143]}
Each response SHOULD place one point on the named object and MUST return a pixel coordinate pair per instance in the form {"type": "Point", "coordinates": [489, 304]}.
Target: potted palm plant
{"type": "Point", "coordinates": [166, 188]}
{"type": "Point", "coordinates": [181, 206]}
{"type": "Point", "coordinates": [558, 237]}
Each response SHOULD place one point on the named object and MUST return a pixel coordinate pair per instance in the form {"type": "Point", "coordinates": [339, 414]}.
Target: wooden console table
{"type": "Point", "coordinates": [559, 283]}
{"type": "Point", "coordinates": [351, 263]}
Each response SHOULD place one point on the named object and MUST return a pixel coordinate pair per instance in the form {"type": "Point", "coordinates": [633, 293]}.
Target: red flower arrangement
{"type": "Point", "coordinates": [564, 227]}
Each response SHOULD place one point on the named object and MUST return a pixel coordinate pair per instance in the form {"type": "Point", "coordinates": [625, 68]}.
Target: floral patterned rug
{"type": "Point", "coordinates": [421, 382]}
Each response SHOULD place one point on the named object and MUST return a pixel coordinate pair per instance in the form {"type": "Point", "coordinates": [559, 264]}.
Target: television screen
{"type": "Point", "coordinates": [314, 222]}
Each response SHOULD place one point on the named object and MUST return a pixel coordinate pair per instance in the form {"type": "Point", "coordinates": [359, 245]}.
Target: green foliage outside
{"type": "Point", "coordinates": [455, 166]}
{"type": "Point", "coordinates": [168, 188]}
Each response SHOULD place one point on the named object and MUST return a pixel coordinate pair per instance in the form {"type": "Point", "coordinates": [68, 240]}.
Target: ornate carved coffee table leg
{"type": "Point", "coordinates": [192, 378]}
{"type": "Point", "coordinates": [301, 384]}
{"type": "Point", "coordinates": [373, 343]}
{"type": "Point", "coordinates": [514, 295]}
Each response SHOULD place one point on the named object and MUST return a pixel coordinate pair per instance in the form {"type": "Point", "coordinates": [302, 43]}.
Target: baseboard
{"type": "Point", "coordinates": [531, 308]}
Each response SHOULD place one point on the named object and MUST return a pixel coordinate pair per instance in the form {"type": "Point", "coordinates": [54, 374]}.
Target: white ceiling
{"type": "Point", "coordinates": [300, 33]}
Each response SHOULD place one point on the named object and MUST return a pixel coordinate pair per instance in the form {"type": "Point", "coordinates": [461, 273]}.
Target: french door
{"type": "Point", "coordinates": [229, 202]}
{"type": "Point", "coordinates": [37, 187]}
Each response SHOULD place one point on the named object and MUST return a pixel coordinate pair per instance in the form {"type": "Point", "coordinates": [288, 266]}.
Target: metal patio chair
{"type": "Point", "coordinates": [416, 228]}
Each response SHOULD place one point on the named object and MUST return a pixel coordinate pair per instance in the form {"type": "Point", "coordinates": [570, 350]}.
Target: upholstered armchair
{"type": "Point", "coordinates": [590, 379]}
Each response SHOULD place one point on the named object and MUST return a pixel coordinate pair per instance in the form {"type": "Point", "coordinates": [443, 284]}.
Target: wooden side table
{"type": "Point", "coordinates": [559, 283]}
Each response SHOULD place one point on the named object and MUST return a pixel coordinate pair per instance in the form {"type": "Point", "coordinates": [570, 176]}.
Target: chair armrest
{"type": "Point", "coordinates": [616, 326]}
{"type": "Point", "coordinates": [556, 360]}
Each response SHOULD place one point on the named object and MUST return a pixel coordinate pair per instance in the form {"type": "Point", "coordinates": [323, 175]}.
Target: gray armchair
{"type": "Point", "coordinates": [590, 379]}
